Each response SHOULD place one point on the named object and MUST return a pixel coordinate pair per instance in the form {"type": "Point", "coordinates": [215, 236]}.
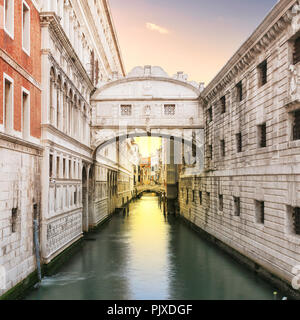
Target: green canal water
{"type": "Point", "coordinates": [144, 255]}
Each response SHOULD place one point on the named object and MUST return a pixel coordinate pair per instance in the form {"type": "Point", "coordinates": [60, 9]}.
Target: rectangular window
{"type": "Point", "coordinates": [57, 167]}
{"type": "Point", "coordinates": [64, 168]}
{"type": "Point", "coordinates": [239, 91]}
{"type": "Point", "coordinates": [169, 110]}
{"type": "Point", "coordinates": [296, 220]}
{"type": "Point", "coordinates": [222, 145]}
{"type": "Point", "coordinates": [223, 104]}
{"type": "Point", "coordinates": [262, 135]}
{"type": "Point", "coordinates": [193, 195]}
{"type": "Point", "coordinates": [126, 110]}
{"type": "Point", "coordinates": [221, 203]}
{"type": "Point", "coordinates": [8, 104]}
{"type": "Point", "coordinates": [25, 114]}
{"type": "Point", "coordinates": [70, 169]}
{"type": "Point", "coordinates": [296, 125]}
{"type": "Point", "coordinates": [237, 206]}
{"type": "Point", "coordinates": [187, 196]}
{"type": "Point", "coordinates": [26, 28]}
{"type": "Point", "coordinates": [208, 199]}
{"type": "Point", "coordinates": [262, 73]}
{"type": "Point", "coordinates": [210, 114]}
{"type": "Point", "coordinates": [51, 166]}
{"type": "Point", "coordinates": [210, 152]}
{"type": "Point", "coordinates": [260, 211]}
{"type": "Point", "coordinates": [14, 219]}
{"type": "Point", "coordinates": [239, 145]}
{"type": "Point", "coordinates": [296, 53]}
{"type": "Point", "coordinates": [9, 17]}
{"type": "Point", "coordinates": [200, 197]}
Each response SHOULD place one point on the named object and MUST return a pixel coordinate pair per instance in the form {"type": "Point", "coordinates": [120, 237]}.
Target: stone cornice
{"type": "Point", "coordinates": [139, 79]}
{"type": "Point", "coordinates": [66, 137]}
{"type": "Point", "coordinates": [19, 69]}
{"type": "Point", "coordinates": [15, 144]}
{"type": "Point", "coordinates": [269, 30]}
{"type": "Point", "coordinates": [52, 20]}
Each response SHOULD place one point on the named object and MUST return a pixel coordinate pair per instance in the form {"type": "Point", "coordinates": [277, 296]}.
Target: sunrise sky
{"type": "Point", "coordinates": [194, 36]}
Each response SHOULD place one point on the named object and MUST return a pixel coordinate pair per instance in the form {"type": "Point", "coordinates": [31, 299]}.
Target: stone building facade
{"type": "Point", "coordinates": [79, 52]}
{"type": "Point", "coordinates": [248, 196]}
{"type": "Point", "coordinates": [20, 150]}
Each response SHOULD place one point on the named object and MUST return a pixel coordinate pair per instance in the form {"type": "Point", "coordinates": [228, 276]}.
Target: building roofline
{"type": "Point", "coordinates": [114, 34]}
{"type": "Point", "coordinates": [272, 17]}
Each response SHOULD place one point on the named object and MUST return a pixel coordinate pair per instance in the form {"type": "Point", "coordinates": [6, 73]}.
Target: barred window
{"type": "Point", "coordinates": [239, 145]}
{"type": "Point", "coordinates": [200, 197]}
{"type": "Point", "coordinates": [210, 114]}
{"type": "Point", "coordinates": [262, 71]}
{"type": "Point", "coordinates": [222, 144]}
{"type": "Point", "coordinates": [221, 202]}
{"type": "Point", "coordinates": [223, 104]}
{"type": "Point", "coordinates": [296, 53]}
{"type": "Point", "coordinates": [262, 135]}
{"type": "Point", "coordinates": [239, 91]}
{"type": "Point", "coordinates": [126, 110]}
{"type": "Point", "coordinates": [260, 211]}
{"type": "Point", "coordinates": [169, 110]}
{"type": "Point", "coordinates": [296, 220]}
{"type": "Point", "coordinates": [296, 125]}
{"type": "Point", "coordinates": [237, 206]}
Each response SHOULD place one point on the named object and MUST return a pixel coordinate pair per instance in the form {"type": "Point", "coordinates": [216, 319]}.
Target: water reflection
{"type": "Point", "coordinates": [142, 254]}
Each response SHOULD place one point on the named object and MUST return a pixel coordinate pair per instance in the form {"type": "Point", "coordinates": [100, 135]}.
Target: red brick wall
{"type": "Point", "coordinates": [32, 64]}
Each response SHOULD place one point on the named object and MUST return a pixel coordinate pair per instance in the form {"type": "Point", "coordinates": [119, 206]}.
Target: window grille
{"type": "Point", "coordinates": [126, 110]}
{"type": "Point", "coordinates": [169, 110]}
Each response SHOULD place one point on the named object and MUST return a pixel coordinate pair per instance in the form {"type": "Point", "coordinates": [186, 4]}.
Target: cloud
{"type": "Point", "coordinates": [155, 27]}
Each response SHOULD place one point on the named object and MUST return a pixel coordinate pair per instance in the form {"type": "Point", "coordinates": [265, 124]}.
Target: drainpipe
{"type": "Point", "coordinates": [36, 242]}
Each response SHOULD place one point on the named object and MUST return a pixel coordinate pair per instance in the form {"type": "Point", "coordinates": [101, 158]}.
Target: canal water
{"type": "Point", "coordinates": [144, 255]}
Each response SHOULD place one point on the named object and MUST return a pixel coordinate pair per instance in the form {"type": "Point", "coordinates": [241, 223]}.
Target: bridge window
{"type": "Point", "coordinates": [296, 53]}
{"type": "Point", "coordinates": [169, 110]}
{"type": "Point", "coordinates": [262, 73]}
{"type": "Point", "coordinates": [223, 104]}
{"type": "Point", "coordinates": [126, 110]}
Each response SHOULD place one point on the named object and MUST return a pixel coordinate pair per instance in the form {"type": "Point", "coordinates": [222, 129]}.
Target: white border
{"type": "Point", "coordinates": [24, 90]}
{"type": "Point", "coordinates": [27, 51]}
{"type": "Point", "coordinates": [7, 77]}
{"type": "Point", "coordinates": [13, 22]}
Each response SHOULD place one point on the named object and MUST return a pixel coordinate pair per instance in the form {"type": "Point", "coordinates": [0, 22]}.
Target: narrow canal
{"type": "Point", "coordinates": [144, 255]}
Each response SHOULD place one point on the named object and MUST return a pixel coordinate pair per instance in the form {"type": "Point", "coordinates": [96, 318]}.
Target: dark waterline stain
{"type": "Point", "coordinates": [146, 255]}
